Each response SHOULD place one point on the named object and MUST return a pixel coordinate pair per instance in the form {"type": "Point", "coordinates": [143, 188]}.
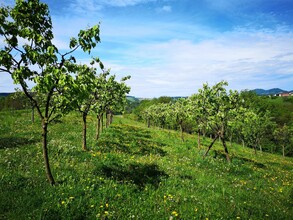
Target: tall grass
{"type": "Point", "coordinates": [134, 172]}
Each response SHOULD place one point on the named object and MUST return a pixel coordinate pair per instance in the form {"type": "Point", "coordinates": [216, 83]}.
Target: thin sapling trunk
{"type": "Point", "coordinates": [210, 146]}
{"type": "Point", "coordinates": [45, 153]}
{"type": "Point", "coordinates": [84, 116]}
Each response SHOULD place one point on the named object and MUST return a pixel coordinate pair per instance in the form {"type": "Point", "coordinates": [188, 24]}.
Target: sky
{"type": "Point", "coordinates": [172, 47]}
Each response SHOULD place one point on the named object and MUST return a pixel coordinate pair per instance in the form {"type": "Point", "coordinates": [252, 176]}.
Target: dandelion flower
{"type": "Point", "coordinates": [174, 213]}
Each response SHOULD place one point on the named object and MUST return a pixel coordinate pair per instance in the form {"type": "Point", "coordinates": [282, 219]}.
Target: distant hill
{"type": "Point", "coordinates": [4, 94]}
{"type": "Point", "coordinates": [132, 99]}
{"type": "Point", "coordinates": [269, 91]}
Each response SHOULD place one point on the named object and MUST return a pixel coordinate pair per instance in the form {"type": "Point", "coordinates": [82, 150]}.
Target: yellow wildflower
{"type": "Point", "coordinates": [174, 213]}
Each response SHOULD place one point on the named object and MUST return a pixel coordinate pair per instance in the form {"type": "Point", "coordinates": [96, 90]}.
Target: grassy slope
{"type": "Point", "coordinates": [134, 172]}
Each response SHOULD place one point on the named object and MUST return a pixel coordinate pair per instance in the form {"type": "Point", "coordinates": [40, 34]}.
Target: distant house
{"type": "Point", "coordinates": [284, 94]}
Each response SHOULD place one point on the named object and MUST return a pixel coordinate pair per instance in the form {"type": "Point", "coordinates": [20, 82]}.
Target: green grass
{"type": "Point", "coordinates": [134, 172]}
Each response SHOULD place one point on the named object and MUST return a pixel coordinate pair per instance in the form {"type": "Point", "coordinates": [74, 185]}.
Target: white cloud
{"type": "Point", "coordinates": [122, 3]}
{"type": "Point", "coordinates": [95, 5]}
{"type": "Point", "coordinates": [247, 59]}
{"type": "Point", "coordinates": [165, 8]}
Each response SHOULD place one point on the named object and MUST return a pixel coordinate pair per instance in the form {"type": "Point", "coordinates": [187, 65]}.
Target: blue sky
{"type": "Point", "coordinates": [172, 47]}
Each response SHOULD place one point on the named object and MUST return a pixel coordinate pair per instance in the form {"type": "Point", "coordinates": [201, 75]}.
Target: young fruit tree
{"type": "Point", "coordinates": [82, 94]}
{"type": "Point", "coordinates": [255, 126]}
{"type": "Point", "coordinates": [110, 97]}
{"type": "Point", "coordinates": [221, 109]}
{"type": "Point", "coordinates": [178, 113]}
{"type": "Point", "coordinates": [197, 108]}
{"type": "Point", "coordinates": [115, 97]}
{"type": "Point", "coordinates": [283, 137]}
{"type": "Point", "coordinates": [29, 55]}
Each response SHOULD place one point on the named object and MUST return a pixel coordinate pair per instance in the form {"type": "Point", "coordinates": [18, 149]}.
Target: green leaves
{"type": "Point", "coordinates": [73, 43]}
{"type": "Point", "coordinates": [88, 38]}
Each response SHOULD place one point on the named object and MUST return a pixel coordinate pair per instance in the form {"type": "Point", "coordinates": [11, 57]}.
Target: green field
{"type": "Point", "coordinates": [134, 172]}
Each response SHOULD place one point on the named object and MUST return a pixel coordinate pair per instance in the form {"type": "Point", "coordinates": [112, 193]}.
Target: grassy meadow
{"type": "Point", "coordinates": [134, 172]}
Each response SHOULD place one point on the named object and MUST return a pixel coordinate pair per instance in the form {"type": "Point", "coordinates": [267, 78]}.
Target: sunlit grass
{"type": "Point", "coordinates": [134, 172]}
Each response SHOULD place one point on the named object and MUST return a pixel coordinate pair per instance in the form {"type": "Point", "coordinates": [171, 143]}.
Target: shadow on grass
{"type": "Point", "coordinates": [148, 150]}
{"type": "Point", "coordinates": [130, 140]}
{"type": "Point", "coordinates": [247, 160]}
{"type": "Point", "coordinates": [15, 142]}
{"type": "Point", "coordinates": [135, 173]}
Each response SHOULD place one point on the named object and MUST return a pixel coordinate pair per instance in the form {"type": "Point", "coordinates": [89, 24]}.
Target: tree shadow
{"type": "Point", "coordinates": [243, 160]}
{"type": "Point", "coordinates": [135, 173]}
{"type": "Point", "coordinates": [129, 143]}
{"type": "Point", "coordinates": [148, 150]}
{"type": "Point", "coordinates": [15, 142]}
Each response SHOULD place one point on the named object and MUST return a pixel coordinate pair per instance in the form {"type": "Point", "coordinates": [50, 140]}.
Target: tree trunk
{"type": "Point", "coordinates": [107, 119]}
{"type": "Point", "coordinates": [283, 149]}
{"type": "Point", "coordinates": [98, 129]}
{"type": "Point", "coordinates": [206, 153]}
{"type": "Point", "coordinates": [84, 147]}
{"type": "Point", "coordinates": [231, 141]}
{"type": "Point", "coordinates": [226, 150]}
{"type": "Point", "coordinates": [181, 130]}
{"type": "Point", "coordinates": [149, 122]}
{"type": "Point", "coordinates": [45, 152]}
{"type": "Point", "coordinates": [102, 122]}
{"type": "Point", "coordinates": [198, 139]}
{"type": "Point", "coordinates": [33, 114]}
{"type": "Point", "coordinates": [111, 117]}
{"type": "Point", "coordinates": [254, 149]}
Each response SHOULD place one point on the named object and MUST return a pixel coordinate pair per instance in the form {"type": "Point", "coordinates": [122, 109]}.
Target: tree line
{"type": "Point", "coordinates": [261, 123]}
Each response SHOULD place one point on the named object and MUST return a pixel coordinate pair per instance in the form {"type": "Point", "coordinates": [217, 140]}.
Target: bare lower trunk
{"type": "Point", "coordinates": [181, 130]}
{"type": "Point", "coordinates": [33, 114]}
{"type": "Point", "coordinates": [226, 150]}
{"type": "Point", "coordinates": [107, 119]}
{"type": "Point", "coordinates": [283, 148]}
{"type": "Point", "coordinates": [214, 140]}
{"type": "Point", "coordinates": [102, 122]}
{"type": "Point", "coordinates": [231, 141]}
{"type": "Point", "coordinates": [84, 147]}
{"type": "Point", "coordinates": [111, 118]}
{"type": "Point", "coordinates": [149, 122]}
{"type": "Point", "coordinates": [45, 153]}
{"type": "Point", "coordinates": [198, 139]}
{"type": "Point", "coordinates": [98, 129]}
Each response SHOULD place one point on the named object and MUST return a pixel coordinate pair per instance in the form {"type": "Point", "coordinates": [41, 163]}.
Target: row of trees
{"type": "Point", "coordinates": [222, 114]}
{"type": "Point", "coordinates": [60, 85]}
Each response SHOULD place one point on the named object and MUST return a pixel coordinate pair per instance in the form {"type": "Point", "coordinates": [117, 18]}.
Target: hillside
{"type": "Point", "coordinates": [269, 91]}
{"type": "Point", "coordinates": [4, 94]}
{"type": "Point", "coordinates": [135, 172]}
